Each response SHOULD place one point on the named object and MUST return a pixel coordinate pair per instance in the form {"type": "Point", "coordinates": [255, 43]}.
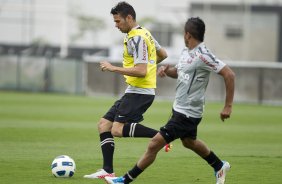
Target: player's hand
{"type": "Point", "coordinates": [106, 66]}
{"type": "Point", "coordinates": [162, 71]}
{"type": "Point", "coordinates": [225, 113]}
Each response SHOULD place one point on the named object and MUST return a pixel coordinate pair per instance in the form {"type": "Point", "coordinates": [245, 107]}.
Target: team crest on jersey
{"type": "Point", "coordinates": [152, 61]}
{"type": "Point", "coordinates": [189, 60]}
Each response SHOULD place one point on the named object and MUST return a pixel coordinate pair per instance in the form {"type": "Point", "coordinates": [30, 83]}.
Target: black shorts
{"type": "Point", "coordinates": [179, 126]}
{"type": "Point", "coordinates": [130, 108]}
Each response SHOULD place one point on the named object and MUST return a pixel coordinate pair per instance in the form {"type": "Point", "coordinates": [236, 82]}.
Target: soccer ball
{"type": "Point", "coordinates": [63, 166]}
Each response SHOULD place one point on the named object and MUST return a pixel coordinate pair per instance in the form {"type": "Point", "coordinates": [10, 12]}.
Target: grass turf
{"type": "Point", "coordinates": [35, 128]}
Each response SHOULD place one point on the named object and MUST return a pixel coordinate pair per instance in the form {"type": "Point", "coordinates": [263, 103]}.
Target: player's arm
{"type": "Point", "coordinates": [229, 80]}
{"type": "Point", "coordinates": [161, 55]}
{"type": "Point", "coordinates": [139, 70]}
{"type": "Point", "coordinates": [161, 52]}
{"type": "Point", "coordinates": [167, 70]}
{"type": "Point", "coordinates": [212, 63]}
{"type": "Point", "coordinates": [138, 48]}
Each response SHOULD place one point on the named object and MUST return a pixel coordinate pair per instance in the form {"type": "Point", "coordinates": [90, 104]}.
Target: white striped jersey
{"type": "Point", "coordinates": [193, 71]}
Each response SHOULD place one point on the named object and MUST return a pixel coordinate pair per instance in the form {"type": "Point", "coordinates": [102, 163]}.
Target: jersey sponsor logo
{"type": "Point", "coordinates": [207, 62]}
{"type": "Point", "coordinates": [183, 77]}
{"type": "Point", "coordinates": [144, 51]}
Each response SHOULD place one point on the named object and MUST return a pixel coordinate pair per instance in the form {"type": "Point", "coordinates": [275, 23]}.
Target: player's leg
{"type": "Point", "coordinates": [132, 130]}
{"type": "Point", "coordinates": [197, 146]}
{"type": "Point", "coordinates": [187, 130]}
{"type": "Point", "coordinates": [155, 145]}
{"type": "Point", "coordinates": [107, 146]}
{"type": "Point", "coordinates": [190, 141]}
{"type": "Point", "coordinates": [167, 134]}
{"type": "Point", "coordinates": [107, 143]}
{"type": "Point", "coordinates": [220, 167]}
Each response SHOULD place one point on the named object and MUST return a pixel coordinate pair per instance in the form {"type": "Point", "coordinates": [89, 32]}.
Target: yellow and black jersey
{"type": "Point", "coordinates": [140, 47]}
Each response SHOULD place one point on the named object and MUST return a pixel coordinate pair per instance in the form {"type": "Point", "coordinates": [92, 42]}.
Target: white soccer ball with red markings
{"type": "Point", "coordinates": [63, 166]}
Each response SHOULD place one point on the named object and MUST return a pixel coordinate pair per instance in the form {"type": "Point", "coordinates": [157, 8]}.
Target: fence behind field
{"type": "Point", "coordinates": [255, 82]}
{"type": "Point", "coordinates": [39, 74]}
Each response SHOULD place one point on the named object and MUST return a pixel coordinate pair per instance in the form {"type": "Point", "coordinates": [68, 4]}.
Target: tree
{"type": "Point", "coordinates": [87, 24]}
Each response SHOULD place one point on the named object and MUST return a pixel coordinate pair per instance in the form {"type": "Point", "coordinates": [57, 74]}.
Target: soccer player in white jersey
{"type": "Point", "coordinates": [192, 73]}
{"type": "Point", "coordinates": [140, 56]}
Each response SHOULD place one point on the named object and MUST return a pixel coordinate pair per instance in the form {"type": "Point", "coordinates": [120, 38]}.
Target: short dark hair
{"type": "Point", "coordinates": [196, 27]}
{"type": "Point", "coordinates": [124, 9]}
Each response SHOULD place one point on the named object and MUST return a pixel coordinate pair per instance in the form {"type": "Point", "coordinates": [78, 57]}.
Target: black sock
{"type": "Point", "coordinates": [214, 161]}
{"type": "Point", "coordinates": [132, 174]}
{"type": "Point", "coordinates": [108, 148]}
{"type": "Point", "coordinates": [138, 130]}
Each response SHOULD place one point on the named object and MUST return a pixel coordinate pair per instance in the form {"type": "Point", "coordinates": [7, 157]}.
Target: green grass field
{"type": "Point", "coordinates": [35, 128]}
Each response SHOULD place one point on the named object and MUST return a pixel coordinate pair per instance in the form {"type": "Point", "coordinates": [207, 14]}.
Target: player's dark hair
{"type": "Point", "coordinates": [196, 27]}
{"type": "Point", "coordinates": [124, 9]}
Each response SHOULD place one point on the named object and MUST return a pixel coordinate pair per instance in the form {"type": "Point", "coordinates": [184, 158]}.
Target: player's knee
{"type": "Point", "coordinates": [154, 146]}
{"type": "Point", "coordinates": [151, 149]}
{"type": "Point", "coordinates": [117, 129]}
{"type": "Point", "coordinates": [104, 125]}
{"type": "Point", "coordinates": [189, 143]}
{"type": "Point", "coordinates": [116, 132]}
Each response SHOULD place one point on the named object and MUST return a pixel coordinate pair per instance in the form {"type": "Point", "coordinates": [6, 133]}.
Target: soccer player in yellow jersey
{"type": "Point", "coordinates": [140, 57]}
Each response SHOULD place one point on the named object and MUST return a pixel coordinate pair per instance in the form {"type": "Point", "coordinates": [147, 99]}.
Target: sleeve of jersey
{"type": "Point", "coordinates": [211, 62]}
{"type": "Point", "coordinates": [157, 45]}
{"type": "Point", "coordinates": [139, 48]}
